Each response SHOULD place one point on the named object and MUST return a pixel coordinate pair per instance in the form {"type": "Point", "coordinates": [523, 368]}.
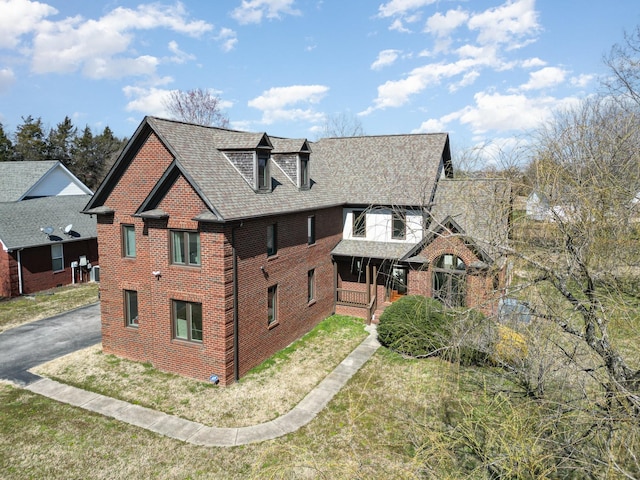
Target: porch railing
{"type": "Point", "coordinates": [352, 297]}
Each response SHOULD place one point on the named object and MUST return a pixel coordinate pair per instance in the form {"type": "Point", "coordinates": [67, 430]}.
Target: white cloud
{"type": "Point", "coordinates": [502, 113]}
{"type": "Point", "coordinates": [148, 101]}
{"type": "Point", "coordinates": [544, 78]}
{"type": "Point", "coordinates": [20, 17]}
{"type": "Point", "coordinates": [442, 25]}
{"type": "Point", "coordinates": [252, 11]}
{"type": "Point", "coordinates": [506, 23]}
{"type": "Point", "coordinates": [398, 26]}
{"type": "Point", "coordinates": [533, 63]}
{"type": "Point", "coordinates": [276, 103]}
{"type": "Point", "coordinates": [101, 48]}
{"type": "Point", "coordinates": [385, 58]}
{"type": "Point", "coordinates": [432, 125]}
{"type": "Point", "coordinates": [7, 78]}
{"type": "Point", "coordinates": [582, 80]}
{"type": "Point", "coordinates": [229, 39]}
{"type": "Point", "coordinates": [178, 55]}
{"type": "Point", "coordinates": [401, 7]}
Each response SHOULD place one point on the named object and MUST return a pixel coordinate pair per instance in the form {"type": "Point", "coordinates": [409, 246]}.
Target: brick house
{"type": "Point", "coordinates": [221, 247]}
{"type": "Point", "coordinates": [42, 232]}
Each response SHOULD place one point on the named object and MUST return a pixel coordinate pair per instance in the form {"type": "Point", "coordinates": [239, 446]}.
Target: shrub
{"type": "Point", "coordinates": [471, 336]}
{"type": "Point", "coordinates": [510, 347]}
{"type": "Point", "coordinates": [414, 325]}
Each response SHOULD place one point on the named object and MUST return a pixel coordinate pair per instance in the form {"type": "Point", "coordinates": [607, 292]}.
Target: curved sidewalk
{"type": "Point", "coordinates": [199, 434]}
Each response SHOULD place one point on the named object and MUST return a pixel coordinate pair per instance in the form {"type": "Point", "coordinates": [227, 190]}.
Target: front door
{"type": "Point", "coordinates": [398, 283]}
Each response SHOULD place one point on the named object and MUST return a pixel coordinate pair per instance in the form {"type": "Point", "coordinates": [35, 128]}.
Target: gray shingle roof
{"type": "Point", "coordinates": [20, 222]}
{"type": "Point", "coordinates": [371, 249]}
{"type": "Point", "coordinates": [386, 169]}
{"type": "Point", "coordinates": [394, 169]}
{"type": "Point", "coordinates": [17, 178]}
{"type": "Point", "coordinates": [479, 206]}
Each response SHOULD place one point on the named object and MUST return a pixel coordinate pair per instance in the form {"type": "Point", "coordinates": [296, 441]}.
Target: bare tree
{"type": "Point", "coordinates": [623, 61]}
{"type": "Point", "coordinates": [199, 106]}
{"type": "Point", "coordinates": [342, 125]}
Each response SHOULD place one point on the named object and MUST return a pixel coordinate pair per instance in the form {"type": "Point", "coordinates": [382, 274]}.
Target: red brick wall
{"type": "Point", "coordinates": [7, 271]}
{"type": "Point", "coordinates": [211, 283]}
{"type": "Point", "coordinates": [36, 267]}
{"type": "Point", "coordinates": [480, 292]}
{"type": "Point", "coordinates": [288, 270]}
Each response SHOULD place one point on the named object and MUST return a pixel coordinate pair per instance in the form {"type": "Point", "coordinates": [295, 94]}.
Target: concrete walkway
{"type": "Point", "coordinates": [199, 434]}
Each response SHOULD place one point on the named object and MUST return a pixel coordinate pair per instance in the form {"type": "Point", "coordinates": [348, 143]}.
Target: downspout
{"type": "Point", "coordinates": [19, 258]}
{"type": "Point", "coordinates": [236, 341]}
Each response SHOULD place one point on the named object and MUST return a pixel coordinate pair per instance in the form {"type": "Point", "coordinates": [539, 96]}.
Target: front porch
{"type": "Point", "coordinates": [364, 288]}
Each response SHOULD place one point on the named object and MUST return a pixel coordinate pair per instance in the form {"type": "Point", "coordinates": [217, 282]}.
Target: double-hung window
{"type": "Point", "coordinates": [272, 239]}
{"type": "Point", "coordinates": [359, 223]}
{"type": "Point", "coordinates": [399, 226]}
{"type": "Point", "coordinates": [185, 248]}
{"type": "Point", "coordinates": [187, 321]}
{"type": "Point", "coordinates": [131, 308]}
{"type": "Point", "coordinates": [264, 179]}
{"type": "Point", "coordinates": [304, 171]}
{"type": "Point", "coordinates": [128, 241]}
{"type": "Point", "coordinates": [311, 230]}
{"type": "Point", "coordinates": [272, 305]}
{"type": "Point", "coordinates": [311, 285]}
{"type": "Point", "coordinates": [57, 257]}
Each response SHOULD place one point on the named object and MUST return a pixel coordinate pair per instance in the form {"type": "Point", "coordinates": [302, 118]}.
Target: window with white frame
{"type": "Point", "coordinates": [57, 257]}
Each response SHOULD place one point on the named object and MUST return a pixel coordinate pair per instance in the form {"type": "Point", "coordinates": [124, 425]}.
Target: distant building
{"type": "Point", "coordinates": [42, 232]}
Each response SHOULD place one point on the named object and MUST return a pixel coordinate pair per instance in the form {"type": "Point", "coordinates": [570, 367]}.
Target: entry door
{"type": "Point", "coordinates": [398, 283]}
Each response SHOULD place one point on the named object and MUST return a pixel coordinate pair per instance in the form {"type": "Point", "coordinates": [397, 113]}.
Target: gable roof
{"type": "Point", "coordinates": [386, 169]}
{"type": "Point", "coordinates": [394, 169]}
{"type": "Point", "coordinates": [479, 209]}
{"type": "Point", "coordinates": [19, 180]}
{"type": "Point", "coordinates": [20, 222]}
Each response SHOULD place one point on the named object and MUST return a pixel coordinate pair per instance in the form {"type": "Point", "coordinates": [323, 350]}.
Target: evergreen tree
{"type": "Point", "coordinates": [30, 141]}
{"type": "Point", "coordinates": [60, 142]}
{"type": "Point", "coordinates": [6, 147]}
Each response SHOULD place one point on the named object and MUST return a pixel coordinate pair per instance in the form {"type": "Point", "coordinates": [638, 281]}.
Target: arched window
{"type": "Point", "coordinates": [450, 280]}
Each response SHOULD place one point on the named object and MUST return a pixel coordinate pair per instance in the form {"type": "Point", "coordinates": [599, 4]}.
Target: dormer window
{"type": "Point", "coordinates": [262, 174]}
{"type": "Point", "coordinates": [303, 171]}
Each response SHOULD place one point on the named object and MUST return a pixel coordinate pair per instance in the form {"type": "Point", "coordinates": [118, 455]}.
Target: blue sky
{"type": "Point", "coordinates": [482, 70]}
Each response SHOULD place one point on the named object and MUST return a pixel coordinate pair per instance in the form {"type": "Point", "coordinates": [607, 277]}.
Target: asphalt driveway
{"type": "Point", "coordinates": [28, 345]}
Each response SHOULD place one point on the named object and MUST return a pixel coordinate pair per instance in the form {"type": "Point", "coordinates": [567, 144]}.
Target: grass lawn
{"type": "Point", "coordinates": [28, 308]}
{"type": "Point", "coordinates": [361, 434]}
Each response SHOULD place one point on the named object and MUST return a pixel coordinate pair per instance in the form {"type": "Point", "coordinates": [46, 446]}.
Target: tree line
{"type": "Point", "coordinates": [86, 154]}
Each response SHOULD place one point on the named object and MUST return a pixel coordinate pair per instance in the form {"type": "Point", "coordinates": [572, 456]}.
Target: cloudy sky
{"type": "Point", "coordinates": [482, 70]}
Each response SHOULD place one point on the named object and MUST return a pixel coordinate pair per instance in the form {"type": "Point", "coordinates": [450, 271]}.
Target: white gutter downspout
{"type": "Point", "coordinates": [19, 272]}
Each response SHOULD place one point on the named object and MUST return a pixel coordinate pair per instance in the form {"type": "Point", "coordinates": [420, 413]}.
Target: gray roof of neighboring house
{"type": "Point", "coordinates": [393, 169]}
{"type": "Point", "coordinates": [17, 178]}
{"type": "Point", "coordinates": [20, 222]}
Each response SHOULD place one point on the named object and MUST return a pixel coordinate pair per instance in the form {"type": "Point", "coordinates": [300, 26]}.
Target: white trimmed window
{"type": "Point", "coordinates": [57, 257]}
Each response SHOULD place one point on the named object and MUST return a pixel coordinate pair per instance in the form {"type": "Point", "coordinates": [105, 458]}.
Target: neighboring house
{"type": "Point", "coordinates": [219, 247]}
{"type": "Point", "coordinates": [42, 232]}
{"type": "Point", "coordinates": [538, 206]}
